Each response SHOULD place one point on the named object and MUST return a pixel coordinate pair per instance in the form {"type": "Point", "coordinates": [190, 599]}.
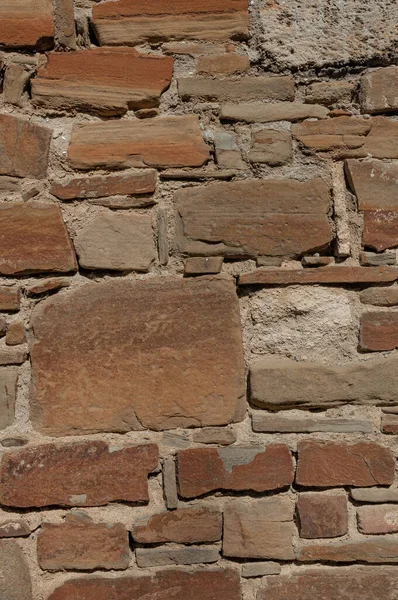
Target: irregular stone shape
{"type": "Point", "coordinates": [271, 147]}
{"type": "Point", "coordinates": [24, 147]}
{"type": "Point", "coordinates": [389, 424]}
{"type": "Point", "coordinates": [322, 516]}
{"type": "Point", "coordinates": [109, 81]}
{"type": "Point", "coordinates": [132, 22]}
{"type": "Point", "coordinates": [27, 24]}
{"type": "Point", "coordinates": [176, 440]}
{"type": "Point", "coordinates": [380, 229]}
{"type": "Point", "coordinates": [135, 183]}
{"type": "Point", "coordinates": [82, 474]}
{"type": "Point", "coordinates": [245, 88]}
{"type": "Point", "coordinates": [371, 259]}
{"type": "Point", "coordinates": [165, 321]}
{"type": "Point", "coordinates": [361, 583]}
{"type": "Point", "coordinates": [228, 63]}
{"type": "Point", "coordinates": [203, 470]}
{"type": "Point", "coordinates": [47, 285]}
{"type": "Point", "coordinates": [270, 424]}
{"type": "Point", "coordinates": [222, 584]}
{"type": "Point", "coordinates": [214, 435]}
{"type": "Point", "coordinates": [12, 357]}
{"type": "Point", "coordinates": [332, 274]}
{"type": "Point", "coordinates": [8, 394]}
{"type": "Point", "coordinates": [158, 142]}
{"type": "Point", "coordinates": [329, 92]}
{"type": "Point", "coordinates": [10, 442]}
{"type": "Point", "coordinates": [10, 184]}
{"type": "Point", "coordinates": [301, 34]}
{"type": "Point", "coordinates": [198, 265]}
{"type": "Point", "coordinates": [379, 90]}
{"type": "Point", "coordinates": [183, 526]}
{"type": "Point", "coordinates": [64, 21]}
{"type": "Point", "coordinates": [259, 569]}
{"type": "Point", "coordinates": [159, 557]}
{"type": "Point", "coordinates": [118, 242]}
{"type": "Point", "coordinates": [331, 464]}
{"type": "Point", "coordinates": [15, 581]}
{"type": "Point", "coordinates": [14, 528]}
{"type": "Point", "coordinates": [82, 545]}
{"type": "Point", "coordinates": [170, 483]}
{"type": "Point", "coordinates": [254, 217]}
{"type": "Point", "coordinates": [15, 80]}
{"type": "Point", "coordinates": [374, 183]}
{"type": "Point", "coordinates": [10, 298]}
{"type": "Point", "coordinates": [266, 112]}
{"type": "Point", "coordinates": [262, 529]}
{"type": "Point", "coordinates": [194, 49]}
{"type": "Point", "coordinates": [375, 495]}
{"type": "Point", "coordinates": [376, 550]}
{"type": "Point", "coordinates": [317, 261]}
{"type": "Point", "coordinates": [34, 239]}
{"type": "Point", "coordinates": [377, 519]}
{"type": "Point", "coordinates": [379, 331]}
{"type": "Point", "coordinates": [124, 202]}
{"type": "Point", "coordinates": [16, 333]}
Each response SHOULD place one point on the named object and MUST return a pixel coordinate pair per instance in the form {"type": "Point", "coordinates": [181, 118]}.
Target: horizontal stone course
{"type": "Point", "coordinates": [183, 526]}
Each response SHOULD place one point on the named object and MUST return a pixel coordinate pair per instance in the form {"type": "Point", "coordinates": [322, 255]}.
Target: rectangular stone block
{"type": "Point", "coordinates": [377, 550]}
{"type": "Point", "coordinates": [24, 147]}
{"type": "Point", "coordinates": [275, 424]}
{"type": "Point", "coordinates": [183, 526]}
{"type": "Point", "coordinates": [333, 274]}
{"type": "Point", "coordinates": [380, 229]}
{"type": "Point", "coordinates": [246, 88]}
{"type": "Point", "coordinates": [268, 112]}
{"type": "Point", "coordinates": [121, 184]}
{"type": "Point", "coordinates": [379, 90]}
{"type": "Point", "coordinates": [10, 298]}
{"type": "Point", "coordinates": [375, 496]}
{"type": "Point", "coordinates": [379, 331]}
{"type": "Point", "coordinates": [322, 516]}
{"type": "Point", "coordinates": [377, 519]}
{"type": "Point", "coordinates": [28, 24]}
{"type": "Point", "coordinates": [374, 183]}
{"type": "Point", "coordinates": [161, 557]}
{"type": "Point", "coordinates": [383, 296]}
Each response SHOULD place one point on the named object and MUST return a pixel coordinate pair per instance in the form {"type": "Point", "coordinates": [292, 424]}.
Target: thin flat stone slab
{"type": "Point", "coordinates": [122, 184]}
{"type": "Point", "coordinates": [331, 274]}
{"type": "Point", "coordinates": [8, 394]}
{"type": "Point", "coordinates": [164, 556]}
{"type": "Point", "coordinates": [374, 495]}
{"type": "Point", "coordinates": [267, 112]}
{"type": "Point", "coordinates": [244, 88]}
{"type": "Point", "coordinates": [169, 368]}
{"type": "Point", "coordinates": [275, 424]}
{"type": "Point", "coordinates": [183, 526]}
{"type": "Point", "coordinates": [380, 549]}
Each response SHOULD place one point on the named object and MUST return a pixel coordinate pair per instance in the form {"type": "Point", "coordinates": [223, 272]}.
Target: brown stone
{"type": "Point", "coordinates": [260, 569]}
{"type": "Point", "coordinates": [374, 184]}
{"type": "Point", "coordinates": [267, 112]}
{"type": "Point", "coordinates": [132, 22]}
{"type": "Point", "coordinates": [159, 142]}
{"type": "Point", "coordinates": [15, 583]}
{"type": "Point", "coordinates": [14, 528]}
{"type": "Point", "coordinates": [10, 184]}
{"type": "Point", "coordinates": [234, 468]}
{"type": "Point", "coordinates": [322, 516]}
{"type": "Point", "coordinates": [245, 88]}
{"type": "Point", "coordinates": [109, 81]}
{"type": "Point", "coordinates": [24, 147]}
{"type": "Point", "coordinates": [8, 393]}
{"type": "Point", "coordinates": [34, 239]}
{"type": "Point", "coordinates": [380, 230]}
{"type": "Point", "coordinates": [183, 526]}
{"type": "Point", "coordinates": [371, 259]}
{"type": "Point", "coordinates": [317, 261]}
{"type": "Point", "coordinates": [199, 265]}
{"type": "Point", "coordinates": [198, 174]}
{"type": "Point", "coordinates": [11, 442]}
{"type": "Point", "coordinates": [227, 63]}
{"type": "Point", "coordinates": [275, 424]}
{"type": "Point", "coordinates": [12, 357]}
{"type": "Point", "coordinates": [82, 474]}
{"type": "Point", "coordinates": [43, 286]}
{"type": "Point", "coordinates": [377, 519]}
{"type": "Point", "coordinates": [334, 464]}
{"type": "Point", "coordinates": [15, 80]}
{"type": "Point", "coordinates": [376, 550]}
{"type": "Point", "coordinates": [389, 424]}
{"type": "Point", "coordinates": [379, 331]}
{"type": "Point", "coordinates": [254, 217]}
{"type": "Point", "coordinates": [27, 25]}
{"type": "Point", "coordinates": [134, 183]}
{"type": "Point", "coordinates": [82, 545]}
{"type": "Point", "coordinates": [333, 274]}
{"type": "Point", "coordinates": [9, 298]}
{"type": "Point", "coordinates": [200, 375]}
{"type": "Point", "coordinates": [385, 296]}
{"type": "Point", "coordinates": [375, 495]}
{"type": "Point", "coordinates": [221, 436]}
{"type": "Point", "coordinates": [164, 556]}
{"type": "Point", "coordinates": [64, 21]}
{"type": "Point", "coordinates": [271, 147]}
{"type": "Point", "coordinates": [16, 333]}
{"type": "Point", "coordinates": [379, 90]}
{"type": "Point", "coordinates": [170, 483]}
{"type": "Point", "coordinates": [329, 92]}
{"type": "Point", "coordinates": [259, 529]}
{"type": "Point", "coordinates": [194, 49]}
{"type": "Point", "coordinates": [222, 584]}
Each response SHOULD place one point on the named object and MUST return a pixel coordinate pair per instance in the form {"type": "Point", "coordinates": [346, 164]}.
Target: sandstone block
{"type": "Point", "coordinates": [183, 526]}
{"type": "Point", "coordinates": [379, 90]}
{"type": "Point", "coordinates": [198, 265]}
{"type": "Point", "coordinates": [389, 424]}
{"type": "Point", "coordinates": [27, 24]}
{"type": "Point", "coordinates": [12, 357]}
{"type": "Point", "coordinates": [195, 49]}
{"type": "Point", "coordinates": [322, 516]}
{"type": "Point", "coordinates": [377, 519]}
{"type": "Point", "coordinates": [376, 550]}
{"type": "Point", "coordinates": [11, 442]}
{"type": "Point", "coordinates": [24, 147]}
{"type": "Point", "coordinates": [16, 333]}
{"type": "Point", "coordinates": [15, 583]}
{"type": "Point", "coordinates": [371, 259]}
{"type": "Point", "coordinates": [64, 21]}
{"type": "Point", "coordinates": [134, 183]}
{"type": "Point", "coordinates": [245, 88]}
{"type": "Point", "coordinates": [8, 393]}
{"type": "Point", "coordinates": [259, 569]}
{"type": "Point", "coordinates": [317, 261]}
{"type": "Point", "coordinates": [271, 424]}
{"type": "Point", "coordinates": [170, 483]}
{"type": "Point", "coordinates": [380, 229]}
{"type": "Point", "coordinates": [267, 112]}
{"type": "Point", "coordinates": [329, 92]}
{"type": "Point", "coordinates": [332, 274]}
{"type": "Point", "coordinates": [10, 184]}
{"type": "Point", "coordinates": [375, 495]}
{"type": "Point", "coordinates": [226, 64]}
{"type": "Point", "coordinates": [271, 147]}
{"type": "Point", "coordinates": [379, 331]}
{"type": "Point", "coordinates": [159, 557]}
{"type": "Point", "coordinates": [374, 183]}
{"type": "Point", "coordinates": [9, 298]}
{"type": "Point", "coordinates": [383, 296]}
{"type": "Point", "coordinates": [214, 435]}
{"type": "Point", "coordinates": [14, 528]}
{"type": "Point", "coordinates": [47, 285]}
{"type": "Point", "coordinates": [15, 80]}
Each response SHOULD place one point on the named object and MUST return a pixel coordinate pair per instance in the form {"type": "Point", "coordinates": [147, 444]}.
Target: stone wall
{"type": "Point", "coordinates": [199, 307]}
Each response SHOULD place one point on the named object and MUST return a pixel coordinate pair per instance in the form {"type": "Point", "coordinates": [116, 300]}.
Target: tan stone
{"type": "Point", "coordinates": [15, 80]}
{"type": "Point", "coordinates": [377, 519]}
{"type": "Point", "coordinates": [383, 296]}
{"type": "Point", "coordinates": [259, 569]}
{"type": "Point", "coordinates": [372, 259]}
{"type": "Point", "coordinates": [332, 274]}
{"type": "Point", "coordinates": [64, 21]}
{"type": "Point", "coordinates": [271, 147]}
{"type": "Point", "coordinates": [134, 183]}
{"type": "Point", "coordinates": [379, 331]}
{"type": "Point", "coordinates": [9, 298]}
{"type": "Point", "coordinates": [222, 436]}
{"type": "Point", "coordinates": [227, 63]}
{"type": "Point", "coordinates": [15, 582]}
{"type": "Point", "coordinates": [8, 393]}
{"type": "Point", "coordinates": [246, 88]}
{"type": "Point", "coordinates": [379, 90]}
{"type": "Point", "coordinates": [170, 483]}
{"type": "Point", "coordinates": [12, 357]}
{"type": "Point", "coordinates": [329, 92]}
{"type": "Point", "coordinates": [14, 528]}
{"type": "Point", "coordinates": [376, 550]}
{"type": "Point", "coordinates": [16, 333]}
{"type": "Point", "coordinates": [266, 112]}
{"type": "Point", "coordinates": [47, 285]}
{"type": "Point", "coordinates": [375, 495]}
{"type": "Point", "coordinates": [28, 24]}
{"type": "Point", "coordinates": [10, 184]}
{"type": "Point", "coordinates": [374, 183]}
{"type": "Point", "coordinates": [183, 526]}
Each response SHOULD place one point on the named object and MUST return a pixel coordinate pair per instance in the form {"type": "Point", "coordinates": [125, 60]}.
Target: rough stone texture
{"type": "Point", "coordinates": [160, 142]}
{"type": "Point", "coordinates": [27, 24]}
{"type": "Point", "coordinates": [389, 424]}
{"type": "Point", "coordinates": [109, 81]}
{"type": "Point", "coordinates": [271, 147]}
{"type": "Point", "coordinates": [16, 333]}
{"type": "Point", "coordinates": [374, 184]}
{"type": "Point", "coordinates": [377, 519]}
{"type": "Point", "coordinates": [259, 569]}
{"type": "Point", "coordinates": [47, 285]}
{"type": "Point", "coordinates": [371, 259]}
{"type": "Point", "coordinates": [183, 526]}
{"type": "Point", "coordinates": [12, 357]}
{"type": "Point", "coordinates": [377, 550]}
{"type": "Point", "coordinates": [83, 474]}
{"type": "Point", "coordinates": [203, 266]}
{"type": "Point", "coordinates": [8, 392]}
{"type": "Point", "coordinates": [15, 80]}
{"type": "Point", "coordinates": [145, 315]}
{"type": "Point", "coordinates": [379, 90]}
{"type": "Point", "coordinates": [380, 229]}
{"type": "Point", "coordinates": [203, 470]}
{"type": "Point", "coordinates": [64, 21]}
{"type": "Point", "coordinates": [261, 529]}
{"type": "Point", "coordinates": [118, 242]}
{"type": "Point", "coordinates": [322, 516]}
{"type": "Point", "coordinates": [375, 496]}
{"type": "Point", "coordinates": [24, 147]}
{"type": "Point", "coordinates": [387, 296]}
{"type": "Point", "coordinates": [260, 112]}
{"type": "Point", "coordinates": [134, 183]}
{"type": "Point", "coordinates": [159, 557]}
{"type": "Point", "coordinates": [329, 92]}
{"type": "Point", "coordinates": [82, 545]}
{"type": "Point", "coordinates": [270, 424]}
{"type": "Point", "coordinates": [14, 528]}
{"type": "Point", "coordinates": [225, 64]}
{"type": "Point", "coordinates": [9, 298]}
{"type": "Point", "coordinates": [214, 435]}
{"type": "Point", "coordinates": [170, 483]}
{"type": "Point", "coordinates": [332, 274]}
{"type": "Point", "coordinates": [331, 464]}
{"type": "Point", "coordinates": [245, 88]}
{"type": "Point", "coordinates": [379, 331]}
{"type": "Point", "coordinates": [15, 581]}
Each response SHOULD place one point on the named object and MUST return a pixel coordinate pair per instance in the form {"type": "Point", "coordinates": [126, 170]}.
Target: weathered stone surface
{"type": "Point", "coordinates": [262, 529]}
{"type": "Point", "coordinates": [361, 583]}
{"type": "Point", "coordinates": [132, 22]}
{"type": "Point", "coordinates": [259, 569]}
{"type": "Point", "coordinates": [9, 298]}
{"type": "Point", "coordinates": [24, 147]}
{"type": "Point", "coordinates": [376, 550]}
{"type": "Point", "coordinates": [14, 528]}
{"type": "Point", "coordinates": [170, 483]}
{"type": "Point", "coordinates": [199, 265]}
{"type": "Point", "coordinates": [254, 217]}
{"type": "Point", "coordinates": [270, 424]}
{"type": "Point", "coordinates": [331, 464]}
{"type": "Point", "coordinates": [15, 581]}
{"type": "Point", "coordinates": [374, 183]}
{"type": "Point", "coordinates": [214, 435]}
{"type": "Point", "coordinates": [245, 88]}
{"type": "Point", "coordinates": [109, 81]}
{"type": "Point", "coordinates": [222, 584]}
{"type": "Point", "coordinates": [379, 90]}
{"type": "Point", "coordinates": [149, 314]}
{"type": "Point", "coordinates": [64, 21]}
{"type": "Point", "coordinates": [134, 183]}
{"type": "Point", "coordinates": [11, 442]}
{"type": "Point", "coordinates": [332, 274]}
{"type": "Point", "coordinates": [12, 357]}
{"type": "Point", "coordinates": [8, 393]}
{"type": "Point", "coordinates": [228, 63]}
{"type": "Point", "coordinates": [371, 259]}
{"type": "Point", "coordinates": [16, 333]}
{"type": "Point", "coordinates": [317, 261]}
{"type": "Point", "coordinates": [375, 495]}
{"type": "Point", "coordinates": [116, 241]}
{"type": "Point", "coordinates": [183, 526]}
{"type": "Point", "coordinates": [380, 229]}
{"type": "Point", "coordinates": [84, 474]}
{"type": "Point", "coordinates": [47, 285]}
{"type": "Point", "coordinates": [389, 424]}
{"type": "Point", "coordinates": [387, 296]}
{"type": "Point", "coordinates": [271, 147]}
{"type": "Point", "coordinates": [377, 519]}
{"type": "Point", "coordinates": [235, 468]}
{"type": "Point", "coordinates": [162, 238]}
{"type": "Point", "coordinates": [322, 516]}
{"type": "Point", "coordinates": [34, 239]}
{"type": "Point", "coordinates": [198, 174]}
{"type": "Point", "coordinates": [195, 49]}
{"type": "Point", "coordinates": [27, 24]}
{"type": "Point", "coordinates": [159, 142]}
{"type": "Point", "coordinates": [15, 80]}
{"type": "Point", "coordinates": [266, 112]}
{"type": "Point", "coordinates": [379, 331]}
{"type": "Point", "coordinates": [10, 184]}
{"type": "Point", "coordinates": [82, 545]}
{"type": "Point", "coordinates": [159, 557]}
{"type": "Point", "coordinates": [329, 92]}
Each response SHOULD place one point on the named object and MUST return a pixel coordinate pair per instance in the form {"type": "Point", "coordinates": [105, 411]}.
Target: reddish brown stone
{"type": "Point", "coordinates": [334, 464]}
{"type": "Point", "coordinates": [27, 24]}
{"type": "Point", "coordinates": [34, 239]}
{"type": "Point", "coordinates": [322, 516]}
{"type": "Point", "coordinates": [16, 333]}
{"type": "Point", "coordinates": [84, 474]}
{"type": "Point", "coordinates": [14, 528]}
{"type": "Point", "coordinates": [276, 87]}
{"type": "Point", "coordinates": [383, 296]}
{"type": "Point", "coordinates": [378, 519]}
{"type": "Point", "coordinates": [389, 424]}
{"type": "Point", "coordinates": [376, 550]}
{"type": "Point", "coordinates": [9, 298]}
{"type": "Point", "coordinates": [379, 90]}
{"type": "Point", "coordinates": [82, 545]}
{"type": "Point", "coordinates": [380, 229]}
{"type": "Point", "coordinates": [24, 147]}
{"type": "Point", "coordinates": [220, 584]}
{"type": "Point", "coordinates": [203, 470]}
{"type": "Point", "coordinates": [127, 184]}
{"type": "Point", "coordinates": [158, 142]}
{"type": "Point", "coordinates": [47, 285]}
{"type": "Point", "coordinates": [374, 184]}
{"type": "Point", "coordinates": [183, 526]}
{"type": "Point", "coordinates": [174, 371]}
{"type": "Point", "coordinates": [227, 63]}
{"type": "Point", "coordinates": [332, 274]}
{"type": "Point", "coordinates": [379, 331]}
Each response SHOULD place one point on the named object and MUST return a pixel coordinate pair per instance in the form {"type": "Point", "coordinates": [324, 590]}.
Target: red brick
{"type": "Point", "coordinates": [183, 526]}
{"type": "Point", "coordinates": [31, 27]}
{"type": "Point", "coordinates": [333, 464]}
{"type": "Point", "coordinates": [84, 474]}
{"type": "Point", "coordinates": [24, 147]}
{"type": "Point", "coordinates": [377, 550]}
{"type": "Point", "coordinates": [380, 230]}
{"type": "Point", "coordinates": [203, 470]}
{"type": "Point", "coordinates": [322, 516]}
{"type": "Point", "coordinates": [135, 183]}
{"type": "Point", "coordinates": [332, 274]}
{"type": "Point", "coordinates": [10, 298]}
{"type": "Point", "coordinates": [379, 331]}
{"type": "Point", "coordinates": [378, 519]}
